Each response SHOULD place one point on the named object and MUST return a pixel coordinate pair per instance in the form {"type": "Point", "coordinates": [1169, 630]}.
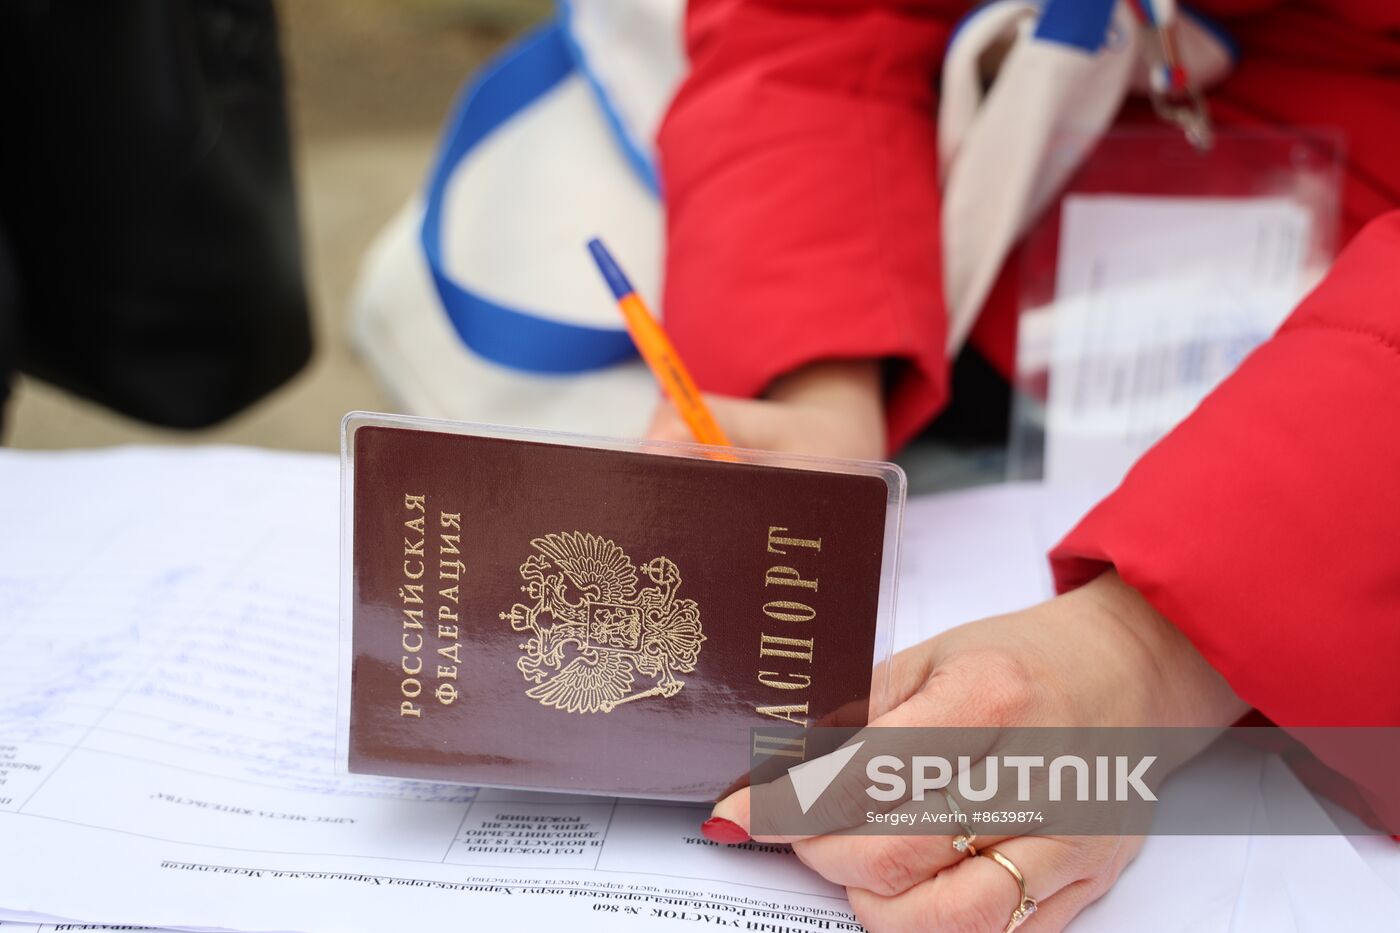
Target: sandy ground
{"type": "Point", "coordinates": [369, 83]}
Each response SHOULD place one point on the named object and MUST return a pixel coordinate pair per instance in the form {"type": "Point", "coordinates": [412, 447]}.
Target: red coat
{"type": "Point", "coordinates": [799, 164]}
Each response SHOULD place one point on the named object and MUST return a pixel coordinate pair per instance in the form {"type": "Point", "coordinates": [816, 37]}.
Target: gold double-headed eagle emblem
{"type": "Point", "coordinates": [593, 631]}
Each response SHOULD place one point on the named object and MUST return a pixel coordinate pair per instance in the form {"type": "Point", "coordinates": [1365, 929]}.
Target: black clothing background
{"type": "Point", "coordinates": [149, 252]}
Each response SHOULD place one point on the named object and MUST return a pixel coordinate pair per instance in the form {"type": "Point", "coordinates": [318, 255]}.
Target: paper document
{"type": "Point", "coordinates": [1157, 300]}
{"type": "Point", "coordinates": [168, 632]}
{"type": "Point", "coordinates": [167, 723]}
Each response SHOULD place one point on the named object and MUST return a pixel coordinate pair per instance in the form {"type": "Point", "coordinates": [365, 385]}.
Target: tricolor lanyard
{"type": "Point", "coordinates": [1175, 97]}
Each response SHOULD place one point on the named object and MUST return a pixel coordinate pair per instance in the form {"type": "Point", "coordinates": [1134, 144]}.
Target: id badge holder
{"type": "Point", "coordinates": [1161, 267]}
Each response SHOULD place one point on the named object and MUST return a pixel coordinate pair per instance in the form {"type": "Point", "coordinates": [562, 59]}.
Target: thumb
{"type": "Point", "coordinates": [667, 424]}
{"type": "Point", "coordinates": [729, 820]}
{"type": "Point", "coordinates": [928, 721]}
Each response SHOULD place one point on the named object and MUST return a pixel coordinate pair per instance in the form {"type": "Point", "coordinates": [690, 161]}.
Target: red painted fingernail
{"type": "Point", "coordinates": [718, 829]}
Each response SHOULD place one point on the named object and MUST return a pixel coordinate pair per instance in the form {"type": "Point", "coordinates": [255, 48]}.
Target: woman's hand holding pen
{"type": "Point", "coordinates": [833, 409]}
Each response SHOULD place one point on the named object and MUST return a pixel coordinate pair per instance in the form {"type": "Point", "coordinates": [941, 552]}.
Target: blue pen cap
{"type": "Point", "coordinates": [617, 281]}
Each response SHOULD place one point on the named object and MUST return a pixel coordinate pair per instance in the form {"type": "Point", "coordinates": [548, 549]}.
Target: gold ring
{"type": "Point", "coordinates": [1028, 904]}
{"type": "Point", "coordinates": [962, 842]}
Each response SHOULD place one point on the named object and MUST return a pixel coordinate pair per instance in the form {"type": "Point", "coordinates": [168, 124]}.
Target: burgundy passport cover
{"type": "Point", "coordinates": [579, 619]}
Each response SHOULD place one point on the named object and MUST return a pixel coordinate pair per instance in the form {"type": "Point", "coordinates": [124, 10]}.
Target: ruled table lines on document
{"type": "Point", "coordinates": [168, 653]}
{"type": "Point", "coordinates": [169, 692]}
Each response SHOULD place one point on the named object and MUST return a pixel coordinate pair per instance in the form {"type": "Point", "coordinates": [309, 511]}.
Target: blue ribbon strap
{"type": "Point", "coordinates": [505, 335]}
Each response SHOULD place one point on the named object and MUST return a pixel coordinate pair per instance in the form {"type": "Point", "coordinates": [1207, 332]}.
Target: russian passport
{"type": "Point", "coordinates": [578, 615]}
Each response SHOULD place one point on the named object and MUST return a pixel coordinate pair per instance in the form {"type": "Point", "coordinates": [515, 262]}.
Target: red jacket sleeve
{"type": "Point", "coordinates": [800, 170]}
{"type": "Point", "coordinates": [1267, 525]}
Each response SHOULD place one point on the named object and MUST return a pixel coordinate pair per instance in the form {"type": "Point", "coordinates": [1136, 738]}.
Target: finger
{"type": "Point", "coordinates": [977, 895]}
{"type": "Point", "coordinates": [1063, 907]}
{"type": "Point", "coordinates": [895, 681]}
{"type": "Point", "coordinates": [987, 688]}
{"type": "Point", "coordinates": [747, 422]}
{"type": "Point", "coordinates": [741, 419]}
{"type": "Point", "coordinates": [891, 862]}
{"type": "Point", "coordinates": [903, 675]}
{"type": "Point", "coordinates": [667, 424]}
{"type": "Point", "coordinates": [953, 706]}
{"type": "Point", "coordinates": [972, 689]}
{"type": "Point", "coordinates": [733, 813]}
{"type": "Point", "coordinates": [874, 777]}
{"type": "Point", "coordinates": [729, 820]}
{"type": "Point", "coordinates": [1057, 912]}
{"type": "Point", "coordinates": [849, 800]}
{"type": "Point", "coordinates": [886, 865]}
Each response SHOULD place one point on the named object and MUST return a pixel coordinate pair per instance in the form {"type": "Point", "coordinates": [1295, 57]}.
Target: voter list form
{"type": "Point", "coordinates": [168, 676]}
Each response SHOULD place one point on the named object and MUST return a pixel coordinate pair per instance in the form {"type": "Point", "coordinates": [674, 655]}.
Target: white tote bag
{"type": "Point", "coordinates": [479, 301]}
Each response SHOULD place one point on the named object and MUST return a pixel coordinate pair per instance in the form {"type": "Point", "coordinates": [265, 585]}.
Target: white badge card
{"type": "Point", "coordinates": [1153, 277]}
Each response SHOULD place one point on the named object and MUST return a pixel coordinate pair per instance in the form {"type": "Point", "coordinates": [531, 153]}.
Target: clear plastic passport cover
{"type": "Point", "coordinates": [557, 612]}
